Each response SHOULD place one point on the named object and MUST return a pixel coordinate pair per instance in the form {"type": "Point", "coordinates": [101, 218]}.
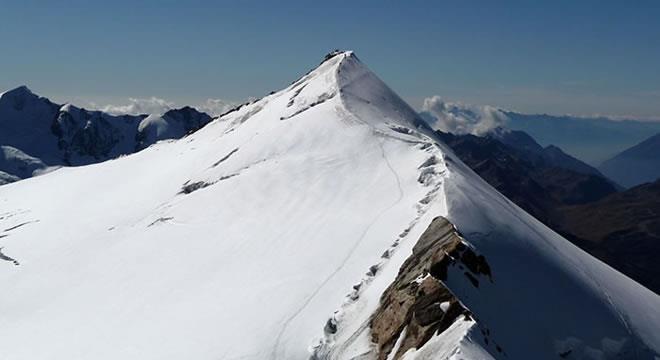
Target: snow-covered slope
{"type": "Point", "coordinates": [272, 232]}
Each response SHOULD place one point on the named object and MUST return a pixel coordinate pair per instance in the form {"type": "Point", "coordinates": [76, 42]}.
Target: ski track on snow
{"type": "Point", "coordinates": [334, 352]}
{"type": "Point", "coordinates": [346, 258]}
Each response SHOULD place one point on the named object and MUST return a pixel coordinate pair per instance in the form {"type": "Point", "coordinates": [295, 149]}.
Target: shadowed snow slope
{"type": "Point", "coordinates": [241, 240]}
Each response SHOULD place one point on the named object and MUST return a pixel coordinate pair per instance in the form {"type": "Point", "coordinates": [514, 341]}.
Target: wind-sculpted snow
{"type": "Point", "coordinates": [287, 236]}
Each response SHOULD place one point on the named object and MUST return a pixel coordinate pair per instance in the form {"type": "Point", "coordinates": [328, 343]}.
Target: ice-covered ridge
{"type": "Point", "coordinates": [370, 99]}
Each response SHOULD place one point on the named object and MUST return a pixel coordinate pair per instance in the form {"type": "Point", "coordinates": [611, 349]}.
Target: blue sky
{"type": "Point", "coordinates": [578, 57]}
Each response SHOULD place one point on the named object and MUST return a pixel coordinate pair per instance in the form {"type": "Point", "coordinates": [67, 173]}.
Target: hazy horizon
{"type": "Point", "coordinates": [561, 58]}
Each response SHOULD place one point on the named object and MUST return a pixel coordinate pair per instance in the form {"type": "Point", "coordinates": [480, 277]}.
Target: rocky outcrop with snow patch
{"type": "Point", "coordinates": [417, 306]}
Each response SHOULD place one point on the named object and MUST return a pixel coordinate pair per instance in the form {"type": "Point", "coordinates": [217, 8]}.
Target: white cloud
{"type": "Point", "coordinates": [135, 106]}
{"type": "Point", "coordinates": [158, 106]}
{"type": "Point", "coordinates": [216, 107]}
{"type": "Point", "coordinates": [458, 118]}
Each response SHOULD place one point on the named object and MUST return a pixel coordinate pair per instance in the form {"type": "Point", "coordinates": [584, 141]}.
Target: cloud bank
{"type": "Point", "coordinates": [158, 106]}
{"type": "Point", "coordinates": [216, 107]}
{"type": "Point", "coordinates": [458, 118]}
{"type": "Point", "coordinates": [135, 106]}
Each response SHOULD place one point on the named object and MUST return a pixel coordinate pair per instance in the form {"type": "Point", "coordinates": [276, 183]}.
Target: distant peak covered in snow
{"type": "Point", "coordinates": [46, 135]}
{"type": "Point", "coordinates": [18, 91]}
{"type": "Point", "coordinates": [15, 100]}
{"type": "Point", "coordinates": [21, 93]}
{"type": "Point", "coordinates": [336, 52]}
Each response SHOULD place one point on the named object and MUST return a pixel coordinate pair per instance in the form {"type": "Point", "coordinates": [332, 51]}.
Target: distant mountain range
{"type": "Point", "coordinates": [550, 155]}
{"type": "Point", "coordinates": [36, 134]}
{"type": "Point", "coordinates": [636, 165]}
{"type": "Point", "coordinates": [591, 139]}
{"type": "Point", "coordinates": [622, 229]}
{"type": "Point", "coordinates": [540, 180]}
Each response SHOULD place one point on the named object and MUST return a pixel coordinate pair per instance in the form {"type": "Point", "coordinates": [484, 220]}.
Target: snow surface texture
{"type": "Point", "coordinates": [245, 239]}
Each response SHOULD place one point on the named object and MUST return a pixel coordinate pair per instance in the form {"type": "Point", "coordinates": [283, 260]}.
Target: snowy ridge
{"type": "Point", "coordinates": [372, 101]}
{"type": "Point", "coordinates": [391, 118]}
{"type": "Point", "coordinates": [286, 216]}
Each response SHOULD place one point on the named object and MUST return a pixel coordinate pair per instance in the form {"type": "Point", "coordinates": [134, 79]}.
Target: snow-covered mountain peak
{"type": "Point", "coordinates": [343, 82]}
{"type": "Point", "coordinates": [70, 109]}
{"type": "Point", "coordinates": [370, 98]}
{"type": "Point", "coordinates": [82, 113]}
{"type": "Point", "coordinates": [277, 228]}
{"type": "Point", "coordinates": [16, 100]}
{"type": "Point", "coordinates": [342, 113]}
{"type": "Point", "coordinates": [20, 91]}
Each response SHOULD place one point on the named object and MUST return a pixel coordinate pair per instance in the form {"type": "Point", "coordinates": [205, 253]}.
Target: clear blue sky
{"type": "Point", "coordinates": [580, 57]}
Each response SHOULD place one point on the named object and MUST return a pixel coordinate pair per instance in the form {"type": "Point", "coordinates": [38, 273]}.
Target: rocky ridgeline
{"type": "Point", "coordinates": [417, 306]}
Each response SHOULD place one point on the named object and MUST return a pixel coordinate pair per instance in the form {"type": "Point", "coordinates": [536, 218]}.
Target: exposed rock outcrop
{"type": "Point", "coordinates": [417, 301]}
